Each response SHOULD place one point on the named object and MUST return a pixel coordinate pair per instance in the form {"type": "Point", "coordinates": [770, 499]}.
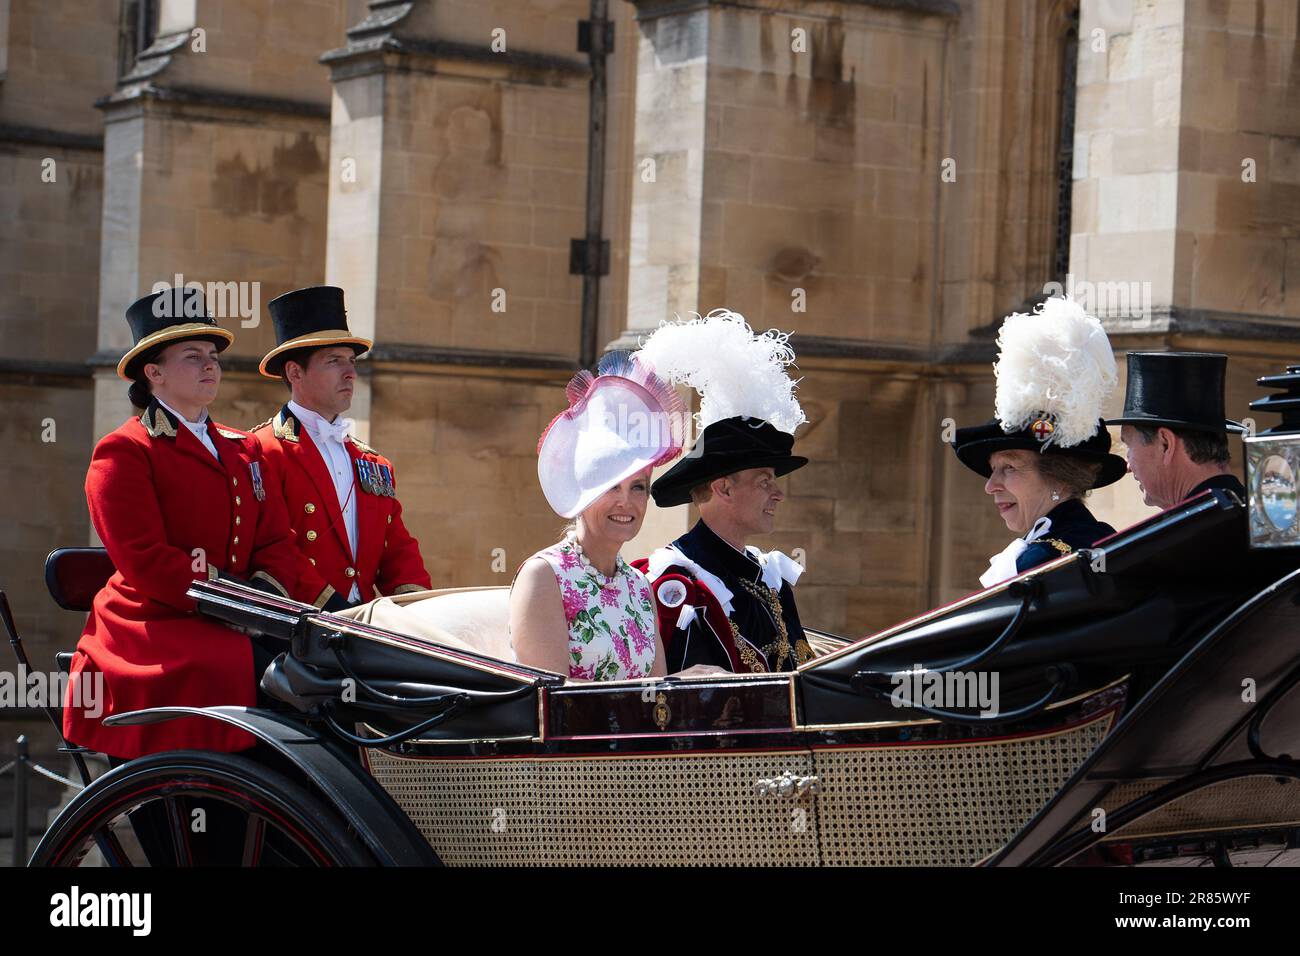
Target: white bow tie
{"type": "Point", "coordinates": [338, 430]}
{"type": "Point", "coordinates": [1003, 565]}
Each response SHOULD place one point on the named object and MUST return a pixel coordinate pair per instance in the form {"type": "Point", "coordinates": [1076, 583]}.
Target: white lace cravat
{"type": "Point", "coordinates": [1003, 564]}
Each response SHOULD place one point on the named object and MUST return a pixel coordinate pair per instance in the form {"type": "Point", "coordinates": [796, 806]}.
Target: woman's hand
{"type": "Point", "coordinates": [702, 670]}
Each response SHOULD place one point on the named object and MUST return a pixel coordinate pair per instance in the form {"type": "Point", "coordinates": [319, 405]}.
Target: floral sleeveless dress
{"type": "Point", "coordinates": [611, 621]}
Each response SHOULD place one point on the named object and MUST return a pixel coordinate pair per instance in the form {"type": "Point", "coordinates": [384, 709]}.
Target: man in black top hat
{"type": "Point", "coordinates": [1174, 426]}
{"type": "Point", "coordinates": [341, 493]}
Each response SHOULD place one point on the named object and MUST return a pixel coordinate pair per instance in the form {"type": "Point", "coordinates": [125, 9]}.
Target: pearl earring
{"type": "Point", "coordinates": [1056, 496]}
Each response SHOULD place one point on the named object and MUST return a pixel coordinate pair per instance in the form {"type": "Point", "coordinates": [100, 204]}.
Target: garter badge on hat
{"type": "Point", "coordinates": [1055, 370]}
{"type": "Point", "coordinates": [620, 421]}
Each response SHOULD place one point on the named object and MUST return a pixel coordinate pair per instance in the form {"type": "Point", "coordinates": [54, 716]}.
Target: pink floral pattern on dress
{"type": "Point", "coordinates": [573, 603]}
{"type": "Point", "coordinates": [640, 639]}
{"type": "Point", "coordinates": [611, 628]}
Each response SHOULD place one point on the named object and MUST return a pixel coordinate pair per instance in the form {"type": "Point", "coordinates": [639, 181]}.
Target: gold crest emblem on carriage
{"type": "Point", "coordinates": [662, 712]}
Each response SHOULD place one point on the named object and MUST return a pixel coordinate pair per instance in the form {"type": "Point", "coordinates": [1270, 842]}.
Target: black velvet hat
{"type": "Point", "coordinates": [1176, 390]}
{"type": "Point", "coordinates": [172, 315]}
{"type": "Point", "coordinates": [727, 446]}
{"type": "Point", "coordinates": [308, 319]}
{"type": "Point", "coordinates": [976, 444]}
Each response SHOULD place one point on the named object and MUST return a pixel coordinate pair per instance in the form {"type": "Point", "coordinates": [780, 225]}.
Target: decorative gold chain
{"type": "Point", "coordinates": [769, 597]}
{"type": "Point", "coordinates": [747, 655]}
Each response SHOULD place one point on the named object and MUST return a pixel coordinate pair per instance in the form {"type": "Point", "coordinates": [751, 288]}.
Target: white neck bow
{"type": "Point", "coordinates": [337, 430]}
{"type": "Point", "coordinates": [1003, 564]}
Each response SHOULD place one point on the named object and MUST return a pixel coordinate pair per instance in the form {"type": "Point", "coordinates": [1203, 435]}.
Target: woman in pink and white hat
{"type": "Point", "coordinates": [577, 607]}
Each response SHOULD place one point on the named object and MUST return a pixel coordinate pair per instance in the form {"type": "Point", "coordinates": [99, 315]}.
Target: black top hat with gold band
{"type": "Point", "coordinates": [308, 318]}
{"type": "Point", "coordinates": [160, 318]}
{"type": "Point", "coordinates": [1176, 390]}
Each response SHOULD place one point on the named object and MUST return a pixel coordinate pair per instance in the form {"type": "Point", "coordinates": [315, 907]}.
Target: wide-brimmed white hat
{"type": "Point", "coordinates": [620, 421]}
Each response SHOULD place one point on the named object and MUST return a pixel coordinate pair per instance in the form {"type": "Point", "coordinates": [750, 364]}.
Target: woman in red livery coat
{"type": "Point", "coordinates": [175, 498]}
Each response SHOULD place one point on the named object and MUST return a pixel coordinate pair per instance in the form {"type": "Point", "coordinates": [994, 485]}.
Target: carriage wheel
{"type": "Point", "coordinates": [198, 808]}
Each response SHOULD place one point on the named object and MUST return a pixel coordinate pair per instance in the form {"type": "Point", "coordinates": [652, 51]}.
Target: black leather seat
{"type": "Point", "coordinates": [75, 575]}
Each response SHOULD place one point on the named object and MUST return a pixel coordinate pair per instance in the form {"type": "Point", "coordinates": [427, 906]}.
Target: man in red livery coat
{"type": "Point", "coordinates": [340, 493]}
{"type": "Point", "coordinates": [175, 498]}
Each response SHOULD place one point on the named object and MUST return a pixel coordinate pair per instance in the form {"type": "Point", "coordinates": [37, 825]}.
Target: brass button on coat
{"type": "Point", "coordinates": [309, 508]}
{"type": "Point", "coordinates": [313, 561]}
{"type": "Point", "coordinates": [350, 572]}
{"type": "Point", "coordinates": [237, 501]}
{"type": "Point", "coordinates": [311, 535]}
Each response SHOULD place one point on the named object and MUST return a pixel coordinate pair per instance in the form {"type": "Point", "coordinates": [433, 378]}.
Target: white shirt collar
{"type": "Point", "coordinates": [313, 420]}
{"type": "Point", "coordinates": [201, 424]}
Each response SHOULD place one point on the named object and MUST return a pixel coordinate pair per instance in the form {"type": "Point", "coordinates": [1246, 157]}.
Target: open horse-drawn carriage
{"type": "Point", "coordinates": [1146, 711]}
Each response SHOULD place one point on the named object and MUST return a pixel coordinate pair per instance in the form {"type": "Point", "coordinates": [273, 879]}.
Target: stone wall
{"type": "Point", "coordinates": [1238, 162]}
{"type": "Point", "coordinates": [464, 448]}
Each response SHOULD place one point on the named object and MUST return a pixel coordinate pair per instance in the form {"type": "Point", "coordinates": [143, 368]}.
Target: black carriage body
{"type": "Point", "coordinates": [501, 763]}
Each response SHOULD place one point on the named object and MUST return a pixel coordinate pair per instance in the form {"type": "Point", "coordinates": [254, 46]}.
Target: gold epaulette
{"type": "Point", "coordinates": [285, 425]}
{"type": "Point", "coordinates": [228, 433]}
{"type": "Point", "coordinates": [157, 423]}
{"type": "Point", "coordinates": [362, 445]}
{"type": "Point", "coordinates": [1056, 543]}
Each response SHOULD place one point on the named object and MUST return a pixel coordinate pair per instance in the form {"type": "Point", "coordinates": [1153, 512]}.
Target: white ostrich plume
{"type": "Point", "coordinates": [736, 371]}
{"type": "Point", "coordinates": [1056, 363]}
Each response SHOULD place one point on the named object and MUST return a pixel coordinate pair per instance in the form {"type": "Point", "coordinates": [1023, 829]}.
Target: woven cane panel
{"type": "Point", "coordinates": [941, 805]}
{"type": "Point", "coordinates": [699, 810]}
{"type": "Point", "coordinates": [1125, 793]}
{"type": "Point", "coordinates": [662, 810]}
{"type": "Point", "coordinates": [472, 812]}
{"type": "Point", "coordinates": [1231, 804]}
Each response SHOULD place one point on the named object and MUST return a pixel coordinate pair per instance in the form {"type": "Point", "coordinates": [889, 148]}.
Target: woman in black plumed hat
{"type": "Point", "coordinates": [1047, 447]}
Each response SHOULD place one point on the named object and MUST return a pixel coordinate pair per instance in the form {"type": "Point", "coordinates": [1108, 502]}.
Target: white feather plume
{"type": "Point", "coordinates": [1054, 362]}
{"type": "Point", "coordinates": [735, 370]}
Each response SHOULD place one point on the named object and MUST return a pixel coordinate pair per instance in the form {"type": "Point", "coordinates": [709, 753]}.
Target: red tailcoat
{"type": "Point", "coordinates": [388, 558]}
{"type": "Point", "coordinates": [170, 514]}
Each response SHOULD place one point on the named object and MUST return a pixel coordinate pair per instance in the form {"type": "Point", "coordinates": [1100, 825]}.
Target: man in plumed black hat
{"type": "Point", "coordinates": [1175, 428]}
{"type": "Point", "coordinates": [341, 493]}
{"type": "Point", "coordinates": [721, 601]}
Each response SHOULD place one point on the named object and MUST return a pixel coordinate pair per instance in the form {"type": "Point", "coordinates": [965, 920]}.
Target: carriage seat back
{"type": "Point", "coordinates": [473, 619]}
{"type": "Point", "coordinates": [75, 575]}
